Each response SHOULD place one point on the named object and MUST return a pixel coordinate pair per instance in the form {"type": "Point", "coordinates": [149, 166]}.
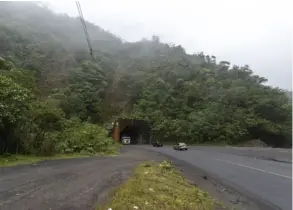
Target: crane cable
{"type": "Point", "coordinates": [84, 28]}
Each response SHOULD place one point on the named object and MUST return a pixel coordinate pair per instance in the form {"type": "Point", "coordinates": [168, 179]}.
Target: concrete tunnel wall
{"type": "Point", "coordinates": [138, 130]}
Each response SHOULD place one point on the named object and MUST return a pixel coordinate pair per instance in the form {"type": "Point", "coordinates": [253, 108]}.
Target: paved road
{"type": "Point", "coordinates": [240, 168]}
{"type": "Point", "coordinates": [276, 154]}
{"type": "Point", "coordinates": [73, 184]}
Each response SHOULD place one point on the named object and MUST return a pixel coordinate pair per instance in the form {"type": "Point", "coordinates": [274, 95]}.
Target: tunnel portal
{"type": "Point", "coordinates": [137, 130]}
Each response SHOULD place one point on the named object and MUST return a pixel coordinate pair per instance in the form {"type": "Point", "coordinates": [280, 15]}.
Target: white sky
{"type": "Point", "coordinates": [253, 32]}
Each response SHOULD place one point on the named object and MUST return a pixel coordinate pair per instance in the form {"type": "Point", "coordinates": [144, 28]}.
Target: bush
{"type": "Point", "coordinates": [41, 132]}
{"type": "Point", "coordinates": [85, 138]}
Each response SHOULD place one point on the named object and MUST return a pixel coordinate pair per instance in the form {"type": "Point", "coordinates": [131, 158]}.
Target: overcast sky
{"type": "Point", "coordinates": [253, 32]}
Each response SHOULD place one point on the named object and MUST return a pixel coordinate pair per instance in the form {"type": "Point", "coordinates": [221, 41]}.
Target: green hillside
{"type": "Point", "coordinates": [49, 77]}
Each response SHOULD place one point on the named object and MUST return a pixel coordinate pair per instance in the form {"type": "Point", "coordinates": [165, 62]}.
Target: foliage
{"type": "Point", "coordinates": [31, 126]}
{"type": "Point", "coordinates": [85, 138]}
{"type": "Point", "coordinates": [211, 107]}
{"type": "Point", "coordinates": [13, 160]}
{"type": "Point", "coordinates": [15, 102]}
{"type": "Point", "coordinates": [44, 127]}
{"type": "Point", "coordinates": [159, 186]}
{"type": "Point", "coordinates": [87, 90]}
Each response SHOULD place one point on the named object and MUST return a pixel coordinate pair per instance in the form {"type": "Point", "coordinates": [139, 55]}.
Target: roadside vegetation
{"type": "Point", "coordinates": [56, 99]}
{"type": "Point", "coordinates": [159, 186]}
{"type": "Point", "coordinates": [33, 129]}
{"type": "Point", "coordinates": [13, 160]}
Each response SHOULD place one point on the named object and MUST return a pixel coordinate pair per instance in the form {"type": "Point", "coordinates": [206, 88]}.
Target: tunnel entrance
{"type": "Point", "coordinates": [137, 130]}
{"type": "Point", "coordinates": [132, 132]}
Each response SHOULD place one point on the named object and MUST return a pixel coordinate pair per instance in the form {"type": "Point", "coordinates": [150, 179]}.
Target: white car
{"type": "Point", "coordinates": [180, 146]}
{"type": "Point", "coordinates": [126, 140]}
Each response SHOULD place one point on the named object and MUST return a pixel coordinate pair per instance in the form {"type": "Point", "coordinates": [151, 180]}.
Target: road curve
{"type": "Point", "coordinates": [267, 180]}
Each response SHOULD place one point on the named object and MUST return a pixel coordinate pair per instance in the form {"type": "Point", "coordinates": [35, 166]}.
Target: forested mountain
{"type": "Point", "coordinates": [48, 73]}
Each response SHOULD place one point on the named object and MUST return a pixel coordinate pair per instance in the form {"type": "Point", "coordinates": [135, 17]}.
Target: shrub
{"type": "Point", "coordinates": [85, 138]}
{"type": "Point", "coordinates": [42, 130]}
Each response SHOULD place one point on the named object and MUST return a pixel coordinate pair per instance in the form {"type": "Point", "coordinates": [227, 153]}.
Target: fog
{"type": "Point", "coordinates": [257, 33]}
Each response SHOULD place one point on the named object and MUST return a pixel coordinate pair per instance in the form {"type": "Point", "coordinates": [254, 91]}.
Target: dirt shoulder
{"type": "Point", "coordinates": [66, 184]}
{"type": "Point", "coordinates": [82, 183]}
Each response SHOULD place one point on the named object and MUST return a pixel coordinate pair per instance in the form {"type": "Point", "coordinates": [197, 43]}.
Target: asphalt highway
{"type": "Point", "coordinates": [257, 172]}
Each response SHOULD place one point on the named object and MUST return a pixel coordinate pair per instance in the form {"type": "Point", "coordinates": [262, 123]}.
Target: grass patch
{"type": "Point", "coordinates": [159, 186]}
{"type": "Point", "coordinates": [13, 160]}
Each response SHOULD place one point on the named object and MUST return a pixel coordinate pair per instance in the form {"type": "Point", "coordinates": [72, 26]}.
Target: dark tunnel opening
{"type": "Point", "coordinates": [132, 132]}
{"type": "Point", "coordinates": [137, 130]}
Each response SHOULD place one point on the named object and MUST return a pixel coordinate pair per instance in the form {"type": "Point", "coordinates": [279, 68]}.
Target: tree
{"type": "Point", "coordinates": [87, 90]}
{"type": "Point", "coordinates": [15, 103]}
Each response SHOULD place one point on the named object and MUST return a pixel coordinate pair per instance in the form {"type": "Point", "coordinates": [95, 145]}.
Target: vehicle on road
{"type": "Point", "coordinates": [125, 139]}
{"type": "Point", "coordinates": [180, 146]}
{"type": "Point", "coordinates": [157, 144]}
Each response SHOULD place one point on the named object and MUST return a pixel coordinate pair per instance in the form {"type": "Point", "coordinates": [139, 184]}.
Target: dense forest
{"type": "Point", "coordinates": [55, 97]}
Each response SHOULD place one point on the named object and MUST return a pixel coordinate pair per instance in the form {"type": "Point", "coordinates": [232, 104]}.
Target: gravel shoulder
{"type": "Point", "coordinates": [67, 184]}
{"type": "Point", "coordinates": [83, 183]}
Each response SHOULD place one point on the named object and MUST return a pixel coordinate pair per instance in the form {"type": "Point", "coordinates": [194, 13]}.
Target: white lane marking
{"type": "Point", "coordinates": [257, 169]}
{"type": "Point", "coordinates": [285, 151]}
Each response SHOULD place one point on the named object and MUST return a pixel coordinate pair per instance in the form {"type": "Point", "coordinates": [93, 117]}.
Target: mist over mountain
{"type": "Point", "coordinates": [45, 59]}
